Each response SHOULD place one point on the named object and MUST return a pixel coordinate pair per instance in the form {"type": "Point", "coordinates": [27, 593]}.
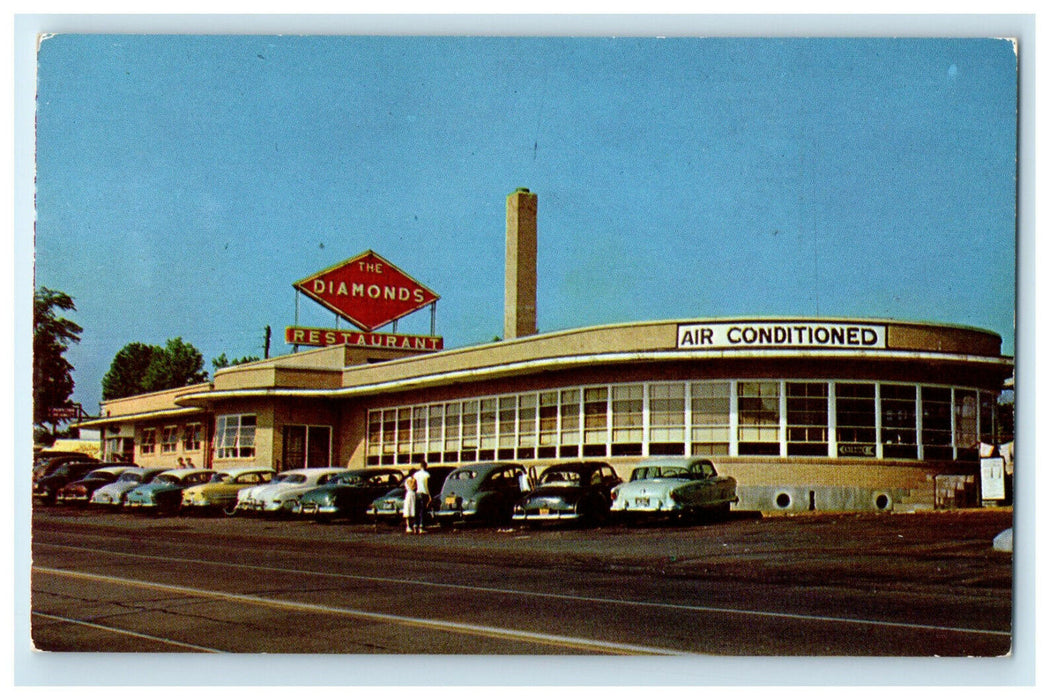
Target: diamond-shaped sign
{"type": "Point", "coordinates": [367, 290]}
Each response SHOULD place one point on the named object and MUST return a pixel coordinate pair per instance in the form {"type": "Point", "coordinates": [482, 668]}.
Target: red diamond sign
{"type": "Point", "coordinates": [367, 290]}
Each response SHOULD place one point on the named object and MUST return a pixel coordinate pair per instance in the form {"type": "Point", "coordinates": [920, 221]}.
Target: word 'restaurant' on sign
{"type": "Point", "coordinates": [329, 336]}
{"type": "Point", "coordinates": [782, 335]}
{"type": "Point", "coordinates": [367, 290]}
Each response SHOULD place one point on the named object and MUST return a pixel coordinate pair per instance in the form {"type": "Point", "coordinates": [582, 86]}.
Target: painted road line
{"type": "Point", "coordinates": [130, 633]}
{"type": "Point", "coordinates": [579, 643]}
{"type": "Point", "coordinates": [564, 596]}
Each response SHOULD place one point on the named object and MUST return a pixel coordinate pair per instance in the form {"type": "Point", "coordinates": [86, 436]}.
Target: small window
{"type": "Point", "coordinates": [147, 441]}
{"type": "Point", "coordinates": [169, 438]}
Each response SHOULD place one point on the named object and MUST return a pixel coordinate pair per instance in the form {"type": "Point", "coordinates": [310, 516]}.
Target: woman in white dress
{"type": "Point", "coordinates": [409, 503]}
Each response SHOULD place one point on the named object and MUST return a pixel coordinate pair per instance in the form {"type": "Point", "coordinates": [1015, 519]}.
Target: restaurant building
{"type": "Point", "coordinates": [806, 413]}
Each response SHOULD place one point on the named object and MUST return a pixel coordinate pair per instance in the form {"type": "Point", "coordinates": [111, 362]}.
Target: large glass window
{"type": "Point", "coordinates": [526, 441]}
{"type": "Point", "coordinates": [507, 427]}
{"type": "Point", "coordinates": [570, 423]}
{"type": "Point", "coordinates": [936, 422]}
{"type": "Point", "coordinates": [899, 422]}
{"type": "Point", "coordinates": [966, 425]}
{"type": "Point", "coordinates": [389, 436]}
{"type": "Point", "coordinates": [668, 418]}
{"type": "Point", "coordinates": [856, 420]}
{"type": "Point", "coordinates": [488, 429]}
{"type": "Point", "coordinates": [627, 419]}
{"type": "Point", "coordinates": [469, 430]}
{"type": "Point", "coordinates": [596, 421]}
{"type": "Point", "coordinates": [987, 418]}
{"type": "Point", "coordinates": [548, 418]}
{"type": "Point", "coordinates": [435, 440]}
{"type": "Point", "coordinates": [710, 418]}
{"type": "Point", "coordinates": [419, 428]}
{"type": "Point", "coordinates": [807, 418]}
{"type": "Point", "coordinates": [758, 418]}
{"type": "Point", "coordinates": [403, 436]}
{"type": "Point", "coordinates": [452, 414]}
{"type": "Point", "coordinates": [236, 434]}
{"type": "Point", "coordinates": [374, 438]}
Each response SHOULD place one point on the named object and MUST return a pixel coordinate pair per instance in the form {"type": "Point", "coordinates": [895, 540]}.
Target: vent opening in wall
{"type": "Point", "coordinates": [783, 500]}
{"type": "Point", "coordinates": [882, 501]}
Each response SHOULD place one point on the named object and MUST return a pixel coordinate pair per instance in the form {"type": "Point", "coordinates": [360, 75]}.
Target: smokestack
{"type": "Point", "coordinates": [519, 313]}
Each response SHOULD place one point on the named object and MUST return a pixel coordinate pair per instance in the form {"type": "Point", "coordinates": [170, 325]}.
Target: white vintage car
{"type": "Point", "coordinates": [674, 486]}
{"type": "Point", "coordinates": [113, 494]}
{"type": "Point", "coordinates": [282, 493]}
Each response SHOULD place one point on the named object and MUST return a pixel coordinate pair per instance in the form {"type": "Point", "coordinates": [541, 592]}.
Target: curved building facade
{"type": "Point", "coordinates": [806, 414]}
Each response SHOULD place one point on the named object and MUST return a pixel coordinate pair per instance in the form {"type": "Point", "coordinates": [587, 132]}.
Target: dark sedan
{"type": "Point", "coordinates": [390, 507]}
{"type": "Point", "coordinates": [574, 493]}
{"type": "Point", "coordinates": [79, 492]}
{"type": "Point", "coordinates": [46, 487]}
{"type": "Point", "coordinates": [348, 494]}
{"type": "Point", "coordinates": [484, 492]}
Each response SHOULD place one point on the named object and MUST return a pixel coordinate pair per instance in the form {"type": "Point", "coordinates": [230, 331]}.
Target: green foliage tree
{"type": "Point", "coordinates": [179, 364]}
{"type": "Point", "coordinates": [222, 361]}
{"type": "Point", "coordinates": [52, 336]}
{"type": "Point", "coordinates": [128, 371]}
{"type": "Point", "coordinates": [139, 368]}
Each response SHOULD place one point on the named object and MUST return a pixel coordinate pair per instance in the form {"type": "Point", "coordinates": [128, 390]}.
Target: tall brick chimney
{"type": "Point", "coordinates": [519, 313]}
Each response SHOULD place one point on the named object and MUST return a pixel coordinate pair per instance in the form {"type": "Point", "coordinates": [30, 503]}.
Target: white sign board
{"type": "Point", "coordinates": [757, 334]}
{"type": "Point", "coordinates": [992, 479]}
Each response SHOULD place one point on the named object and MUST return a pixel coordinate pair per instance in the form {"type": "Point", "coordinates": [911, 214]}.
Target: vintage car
{"type": "Point", "coordinates": [113, 494]}
{"type": "Point", "coordinates": [578, 492]}
{"type": "Point", "coordinates": [47, 487]}
{"type": "Point", "coordinates": [164, 493]}
{"type": "Point", "coordinates": [47, 463]}
{"type": "Point", "coordinates": [221, 491]}
{"type": "Point", "coordinates": [80, 491]}
{"type": "Point", "coordinates": [348, 494]}
{"type": "Point", "coordinates": [281, 494]}
{"type": "Point", "coordinates": [674, 486]}
{"type": "Point", "coordinates": [483, 492]}
{"type": "Point", "coordinates": [389, 507]}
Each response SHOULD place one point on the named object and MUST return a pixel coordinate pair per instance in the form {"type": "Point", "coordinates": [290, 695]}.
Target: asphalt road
{"type": "Point", "coordinates": [917, 585]}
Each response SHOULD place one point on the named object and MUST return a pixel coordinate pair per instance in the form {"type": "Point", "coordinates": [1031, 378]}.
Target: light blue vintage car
{"type": "Point", "coordinates": [113, 495]}
{"type": "Point", "coordinates": [674, 486]}
{"type": "Point", "coordinates": [164, 492]}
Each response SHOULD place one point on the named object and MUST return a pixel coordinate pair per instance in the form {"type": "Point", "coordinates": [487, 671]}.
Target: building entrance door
{"type": "Point", "coordinates": [306, 446]}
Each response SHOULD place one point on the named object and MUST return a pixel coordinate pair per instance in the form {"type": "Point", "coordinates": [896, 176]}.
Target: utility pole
{"type": "Point", "coordinates": [267, 340]}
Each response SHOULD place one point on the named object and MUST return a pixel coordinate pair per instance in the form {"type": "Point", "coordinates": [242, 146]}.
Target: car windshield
{"type": "Point", "coordinates": [221, 479]}
{"type": "Point", "coordinates": [661, 473]}
{"type": "Point", "coordinates": [130, 476]}
{"type": "Point", "coordinates": [99, 474]}
{"type": "Point", "coordinates": [563, 477]}
{"type": "Point", "coordinates": [294, 479]}
{"type": "Point", "coordinates": [168, 479]}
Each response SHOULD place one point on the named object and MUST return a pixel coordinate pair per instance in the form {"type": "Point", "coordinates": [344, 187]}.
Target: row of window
{"type": "Point", "coordinates": [778, 418]}
{"type": "Point", "coordinates": [171, 438]}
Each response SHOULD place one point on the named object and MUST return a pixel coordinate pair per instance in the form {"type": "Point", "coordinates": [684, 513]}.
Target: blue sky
{"type": "Point", "coordinates": [185, 182]}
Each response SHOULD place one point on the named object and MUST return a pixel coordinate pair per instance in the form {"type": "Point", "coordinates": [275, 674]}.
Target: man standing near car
{"type": "Point", "coordinates": [421, 478]}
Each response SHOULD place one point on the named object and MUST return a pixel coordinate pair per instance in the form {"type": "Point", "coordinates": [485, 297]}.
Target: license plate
{"type": "Point", "coordinates": [449, 501]}
{"type": "Point", "coordinates": [642, 502]}
{"type": "Point", "coordinates": [545, 511]}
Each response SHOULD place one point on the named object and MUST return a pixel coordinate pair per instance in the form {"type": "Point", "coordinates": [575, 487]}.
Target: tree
{"type": "Point", "coordinates": [223, 361]}
{"type": "Point", "coordinates": [139, 368]}
{"type": "Point", "coordinates": [52, 336]}
{"type": "Point", "coordinates": [128, 371]}
{"type": "Point", "coordinates": [179, 364]}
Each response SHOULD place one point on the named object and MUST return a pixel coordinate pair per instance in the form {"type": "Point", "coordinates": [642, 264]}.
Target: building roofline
{"type": "Point", "coordinates": [573, 361]}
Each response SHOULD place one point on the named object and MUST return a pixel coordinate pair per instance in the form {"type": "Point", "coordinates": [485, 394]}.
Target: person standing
{"type": "Point", "coordinates": [421, 478]}
{"type": "Point", "coordinates": [410, 498]}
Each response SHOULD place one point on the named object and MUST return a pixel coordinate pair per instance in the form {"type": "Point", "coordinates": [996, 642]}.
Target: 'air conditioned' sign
{"type": "Point", "coordinates": [367, 290]}
{"type": "Point", "coordinates": [748, 334]}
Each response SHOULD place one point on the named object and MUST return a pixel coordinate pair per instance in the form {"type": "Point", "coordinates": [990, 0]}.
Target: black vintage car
{"type": "Point", "coordinates": [80, 492]}
{"type": "Point", "coordinates": [577, 492]}
{"type": "Point", "coordinates": [46, 487]}
{"type": "Point", "coordinates": [390, 507]}
{"type": "Point", "coordinates": [348, 494]}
